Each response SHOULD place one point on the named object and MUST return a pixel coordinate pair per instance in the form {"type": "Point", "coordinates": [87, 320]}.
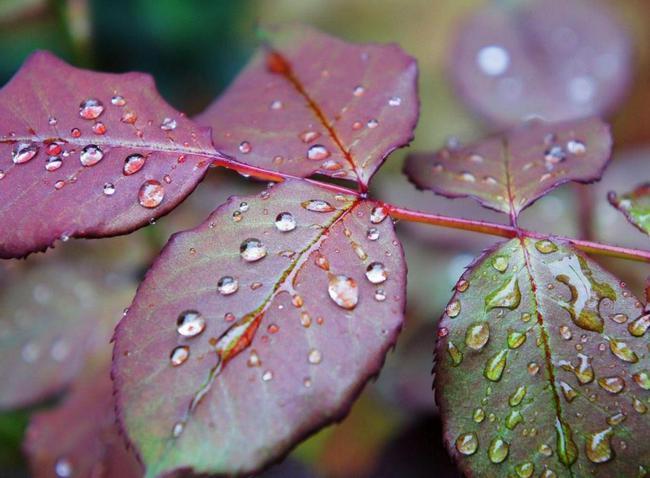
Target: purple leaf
{"type": "Point", "coordinates": [635, 205]}
{"type": "Point", "coordinates": [555, 59]}
{"type": "Point", "coordinates": [85, 154]}
{"type": "Point", "coordinates": [543, 366]}
{"type": "Point", "coordinates": [54, 317]}
{"type": "Point", "coordinates": [509, 172]}
{"type": "Point", "coordinates": [310, 103]}
{"type": "Point", "coordinates": [257, 328]}
{"type": "Point", "coordinates": [79, 438]}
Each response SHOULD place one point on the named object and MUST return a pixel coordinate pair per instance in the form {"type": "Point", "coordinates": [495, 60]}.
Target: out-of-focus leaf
{"type": "Point", "coordinates": [509, 172]}
{"type": "Point", "coordinates": [310, 103]}
{"type": "Point", "coordinates": [52, 317]}
{"type": "Point", "coordinates": [556, 59]}
{"type": "Point", "coordinates": [79, 438]}
{"type": "Point", "coordinates": [89, 154]}
{"type": "Point", "coordinates": [635, 205]}
{"type": "Point", "coordinates": [257, 328]}
{"type": "Point", "coordinates": [542, 366]}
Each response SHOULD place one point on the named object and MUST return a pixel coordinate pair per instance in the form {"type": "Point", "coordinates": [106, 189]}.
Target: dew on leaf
{"type": "Point", "coordinates": [533, 368]}
{"type": "Point", "coordinates": [380, 295]}
{"type": "Point", "coordinates": [91, 155]}
{"type": "Point", "coordinates": [455, 354]}
{"type": "Point", "coordinates": [616, 419]}
{"type": "Point", "coordinates": [568, 391]}
{"type": "Point", "coordinates": [513, 419]}
{"type": "Point", "coordinates": [53, 163]}
{"type": "Point", "coordinates": [253, 359]}
{"type": "Point", "coordinates": [498, 450]}
{"type": "Point", "coordinates": [373, 234]}
{"type": "Point", "coordinates": [500, 263]}
{"type": "Point", "coordinates": [99, 128]}
{"type": "Point", "coordinates": [516, 339]}
{"type": "Point", "coordinates": [118, 100]}
{"type": "Point", "coordinates": [177, 429]}
{"type": "Point", "coordinates": [252, 250]}
{"type": "Point", "coordinates": [151, 193]}
{"type": "Point", "coordinates": [285, 222]}
{"type": "Point", "coordinates": [598, 446]}
{"type": "Point", "coordinates": [612, 384]}
{"type": "Point", "coordinates": [361, 254]}
{"type": "Point", "coordinates": [576, 147]}
{"type": "Point", "coordinates": [467, 443]}
{"type": "Point", "coordinates": [179, 355]}
{"type": "Point", "coordinates": [639, 326]}
{"type": "Point", "coordinates": [108, 189]}
{"type": "Point", "coordinates": [378, 214]}
{"type": "Point", "coordinates": [395, 101]}
{"type": "Point", "coordinates": [545, 246]}
{"type": "Point", "coordinates": [190, 323]}
{"type": "Point", "coordinates": [343, 290]}
{"type": "Point", "coordinates": [639, 406]}
{"type": "Point", "coordinates": [507, 295]}
{"type": "Point", "coordinates": [276, 105]}
{"type": "Point", "coordinates": [623, 351]}
{"type": "Point", "coordinates": [567, 451]}
{"type": "Point", "coordinates": [453, 308]}
{"type": "Point", "coordinates": [133, 163]}
{"type": "Point", "coordinates": [309, 136]}
{"type": "Point", "coordinates": [318, 152]}
{"type": "Point", "coordinates": [245, 147]}
{"type": "Point", "coordinates": [267, 376]}
{"type": "Point", "coordinates": [477, 335]}
{"type": "Point", "coordinates": [525, 469]}
{"type": "Point", "coordinates": [479, 415]}
{"type": "Point", "coordinates": [619, 318]}
{"type": "Point", "coordinates": [372, 124]}
{"type": "Point", "coordinates": [53, 149]}
{"type": "Point", "coordinates": [517, 396]}
{"type": "Point", "coordinates": [227, 285]}
{"type": "Point", "coordinates": [376, 273]}
{"type": "Point", "coordinates": [315, 356]}
{"type": "Point", "coordinates": [495, 365]}
{"type": "Point", "coordinates": [91, 109]}
{"type": "Point", "coordinates": [24, 152]}
{"type": "Point", "coordinates": [168, 124]}
{"type": "Point", "coordinates": [545, 450]}
{"type": "Point", "coordinates": [642, 379]}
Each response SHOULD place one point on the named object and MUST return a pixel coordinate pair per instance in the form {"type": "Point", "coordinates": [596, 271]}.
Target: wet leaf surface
{"type": "Point", "coordinates": [79, 438]}
{"type": "Point", "coordinates": [555, 59]}
{"type": "Point", "coordinates": [55, 317]}
{"type": "Point", "coordinates": [509, 172]}
{"type": "Point", "coordinates": [542, 367]}
{"type": "Point", "coordinates": [310, 103]}
{"type": "Point", "coordinates": [88, 154]}
{"type": "Point", "coordinates": [635, 205]}
{"type": "Point", "coordinates": [257, 328]}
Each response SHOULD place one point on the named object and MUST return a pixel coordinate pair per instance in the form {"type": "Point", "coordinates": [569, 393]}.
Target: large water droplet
{"type": "Point", "coordinates": [642, 379]}
{"type": "Point", "coordinates": [252, 250]}
{"type": "Point", "coordinates": [513, 419]}
{"type": "Point", "coordinates": [133, 163]}
{"type": "Point", "coordinates": [498, 450]}
{"type": "Point", "coordinates": [91, 109]}
{"type": "Point", "coordinates": [343, 290]}
{"type": "Point", "coordinates": [598, 446]}
{"type": "Point", "coordinates": [179, 355]}
{"type": "Point", "coordinates": [507, 296]}
{"type": "Point", "coordinates": [567, 451]}
{"type": "Point", "coordinates": [467, 443]}
{"type": "Point", "coordinates": [477, 335]}
{"type": "Point", "coordinates": [151, 193]}
{"type": "Point", "coordinates": [495, 365]}
{"type": "Point", "coordinates": [500, 263]}
{"type": "Point", "coordinates": [227, 285]}
{"type": "Point", "coordinates": [318, 152]}
{"type": "Point", "coordinates": [453, 308]}
{"type": "Point", "coordinates": [612, 384]}
{"type": "Point", "coordinates": [516, 339]}
{"type": "Point", "coordinates": [190, 323]}
{"type": "Point", "coordinates": [639, 326]}
{"type": "Point", "coordinates": [317, 205]}
{"type": "Point", "coordinates": [376, 273]}
{"type": "Point", "coordinates": [525, 470]}
{"type": "Point", "coordinates": [623, 351]}
{"type": "Point", "coordinates": [91, 155]}
{"type": "Point", "coordinates": [545, 246]}
{"type": "Point", "coordinates": [23, 152]}
{"type": "Point", "coordinates": [285, 222]}
{"type": "Point", "coordinates": [378, 214]}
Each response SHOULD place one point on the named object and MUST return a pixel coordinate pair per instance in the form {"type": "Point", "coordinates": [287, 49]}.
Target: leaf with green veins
{"type": "Point", "coordinates": [560, 380]}
{"type": "Point", "coordinates": [635, 205]}
{"type": "Point", "coordinates": [509, 172]}
{"type": "Point", "coordinates": [257, 328]}
{"type": "Point", "coordinates": [311, 103]}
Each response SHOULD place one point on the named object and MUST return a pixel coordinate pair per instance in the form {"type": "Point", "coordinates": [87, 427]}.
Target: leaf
{"type": "Point", "coordinates": [635, 205]}
{"type": "Point", "coordinates": [79, 437]}
{"type": "Point", "coordinates": [310, 103]}
{"type": "Point", "coordinates": [558, 60]}
{"type": "Point", "coordinates": [542, 365]}
{"type": "Point", "coordinates": [87, 154]}
{"type": "Point", "coordinates": [55, 318]}
{"type": "Point", "coordinates": [509, 172]}
{"type": "Point", "coordinates": [288, 302]}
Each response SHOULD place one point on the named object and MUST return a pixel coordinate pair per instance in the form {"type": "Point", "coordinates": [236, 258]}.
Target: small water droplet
{"type": "Point", "coordinates": [118, 100]}
{"type": "Point", "coordinates": [53, 163]}
{"type": "Point", "coordinates": [168, 124]}
{"type": "Point", "coordinates": [276, 105]}
{"type": "Point", "coordinates": [315, 356]}
{"type": "Point", "coordinates": [477, 335]}
{"type": "Point", "coordinates": [91, 155]}
{"type": "Point", "coordinates": [151, 193]}
{"type": "Point", "coordinates": [177, 429]}
{"type": "Point", "coordinates": [179, 355]}
{"type": "Point", "coordinates": [642, 379]}
{"type": "Point", "coordinates": [75, 132]}
{"type": "Point", "coordinates": [598, 446]}
{"type": "Point", "coordinates": [245, 147]}
{"type": "Point", "coordinates": [380, 295]}
{"type": "Point", "coordinates": [190, 323]}
{"type": "Point", "coordinates": [576, 147]}
{"type": "Point", "coordinates": [525, 470]}
{"type": "Point", "coordinates": [554, 155]}
{"type": "Point", "coordinates": [267, 376]}
{"type": "Point", "coordinates": [318, 152]}
{"type": "Point", "coordinates": [285, 222]}
{"type": "Point", "coordinates": [612, 384]}
{"type": "Point", "coordinates": [253, 359]}
{"type": "Point", "coordinates": [467, 443]}
{"type": "Point", "coordinates": [343, 290]}
{"type": "Point", "coordinates": [495, 366]}
{"type": "Point", "coordinates": [133, 163]}
{"type": "Point", "coordinates": [99, 128]}
{"type": "Point", "coordinates": [24, 152]}
{"type": "Point", "coordinates": [372, 234]}
{"type": "Point", "coordinates": [568, 391]}
{"type": "Point", "coordinates": [395, 101]}
{"type": "Point", "coordinates": [545, 246]}
{"type": "Point", "coordinates": [378, 214]}
{"type": "Point", "coordinates": [517, 396]}
{"type": "Point", "coordinates": [376, 273]}
{"type": "Point", "coordinates": [513, 419]}
{"type": "Point", "coordinates": [358, 90]}
{"type": "Point", "coordinates": [565, 332]}
{"type": "Point", "coordinates": [227, 285]}
{"type": "Point", "coordinates": [479, 415]}
{"type": "Point", "coordinates": [373, 123]}
{"type": "Point", "coordinates": [252, 250]}
{"type": "Point", "coordinates": [52, 121]}
{"type": "Point", "coordinates": [109, 189]}
{"type": "Point", "coordinates": [453, 308]}
{"type": "Point", "coordinates": [639, 326]}
{"type": "Point", "coordinates": [309, 136]}
{"type": "Point", "coordinates": [498, 450]}
{"type": "Point", "coordinates": [500, 263]}
{"type": "Point", "coordinates": [317, 205]}
{"type": "Point", "coordinates": [533, 368]}
{"type": "Point", "coordinates": [91, 109]}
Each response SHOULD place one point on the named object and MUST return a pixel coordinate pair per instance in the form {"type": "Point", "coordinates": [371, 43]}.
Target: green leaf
{"type": "Point", "coordinates": [635, 205]}
{"type": "Point", "coordinates": [543, 367]}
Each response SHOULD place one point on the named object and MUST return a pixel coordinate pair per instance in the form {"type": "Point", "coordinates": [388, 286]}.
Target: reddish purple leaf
{"type": "Point", "coordinates": [509, 172]}
{"type": "Point", "coordinates": [556, 59]}
{"type": "Point", "coordinates": [543, 367]}
{"type": "Point", "coordinates": [54, 317]}
{"type": "Point", "coordinates": [310, 103]}
{"type": "Point", "coordinates": [79, 438]}
{"type": "Point", "coordinates": [635, 205]}
{"type": "Point", "coordinates": [88, 154]}
{"type": "Point", "coordinates": [284, 333]}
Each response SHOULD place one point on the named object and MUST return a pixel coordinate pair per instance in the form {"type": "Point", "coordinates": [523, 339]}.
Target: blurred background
{"type": "Point", "coordinates": [194, 48]}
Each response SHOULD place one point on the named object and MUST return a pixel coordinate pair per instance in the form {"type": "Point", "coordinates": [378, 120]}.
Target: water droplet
{"type": "Point", "coordinates": [477, 335]}
{"type": "Point", "coordinates": [500, 263]}
{"type": "Point", "coordinates": [453, 308]}
{"type": "Point", "coordinates": [252, 250]}
{"type": "Point", "coordinates": [513, 419]}
{"type": "Point", "coordinates": [133, 163]}
{"type": "Point", "coordinates": [525, 470]}
{"type": "Point", "coordinates": [59, 184]}
{"type": "Point", "coordinates": [373, 234]}
{"type": "Point", "coordinates": [276, 105]}
{"type": "Point", "coordinates": [63, 468]}
{"type": "Point", "coordinates": [493, 60]}
{"type": "Point", "coordinates": [378, 214]}
{"type": "Point", "coordinates": [395, 101]}
{"type": "Point", "coordinates": [380, 295]}
{"type": "Point", "coordinates": [479, 415]}
{"type": "Point", "coordinates": [343, 290]}
{"type": "Point", "coordinates": [177, 429]}
{"type": "Point", "coordinates": [495, 365]}
{"type": "Point", "coordinates": [598, 446]}
{"type": "Point", "coordinates": [253, 359]}
{"type": "Point", "coordinates": [245, 147]}
{"type": "Point", "coordinates": [53, 163]}
{"type": "Point", "coordinates": [75, 132]}
{"type": "Point", "coordinates": [467, 443]}
{"type": "Point", "coordinates": [318, 152]}
{"type": "Point", "coordinates": [91, 155]}
{"type": "Point", "coordinates": [623, 351]}
{"type": "Point", "coordinates": [315, 356]}
{"type": "Point", "coordinates": [168, 124]}
{"type": "Point", "coordinates": [462, 285]}
{"type": "Point", "coordinates": [358, 90]}
{"type": "Point", "coordinates": [52, 121]}
{"type": "Point", "coordinates": [109, 189]}
{"type": "Point", "coordinates": [151, 193]}
{"type": "Point", "coordinates": [639, 326]}
{"type": "Point", "coordinates": [568, 391]}
{"type": "Point", "coordinates": [517, 396]}
{"type": "Point", "coordinates": [227, 285]}
{"type": "Point", "coordinates": [455, 354]}
{"type": "Point", "coordinates": [118, 100]}
{"type": "Point", "coordinates": [516, 339]}
{"type": "Point", "coordinates": [507, 296]}
{"type": "Point", "coordinates": [576, 147]}
{"type": "Point", "coordinates": [285, 222]}
{"type": "Point", "coordinates": [584, 372]}
{"type": "Point", "coordinates": [533, 368]}
{"type": "Point", "coordinates": [309, 136]}
{"type": "Point", "coordinates": [498, 450]}
{"type": "Point", "coordinates": [642, 379]}
{"type": "Point", "coordinates": [376, 273]}
{"type": "Point", "coordinates": [372, 124]}
{"type": "Point", "coordinates": [565, 332]}
{"type": "Point", "coordinates": [619, 318]}
{"type": "Point", "coordinates": [612, 384]}
{"type": "Point", "coordinates": [24, 152]}
{"type": "Point", "coordinates": [317, 205]}
{"type": "Point", "coordinates": [466, 176]}
{"type": "Point", "coordinates": [554, 155]}
{"type": "Point", "coordinates": [267, 376]}
{"type": "Point", "coordinates": [99, 128]}
{"type": "Point", "coordinates": [190, 323]}
{"type": "Point", "coordinates": [567, 451]}
{"type": "Point", "coordinates": [616, 419]}
{"type": "Point", "coordinates": [91, 109]}
{"type": "Point", "coordinates": [545, 246]}
{"type": "Point", "coordinates": [179, 355]}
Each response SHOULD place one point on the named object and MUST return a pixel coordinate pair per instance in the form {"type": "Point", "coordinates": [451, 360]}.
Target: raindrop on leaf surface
{"type": "Point", "coordinates": [285, 222]}
{"type": "Point", "coordinates": [91, 155]}
{"type": "Point", "coordinates": [151, 193]}
{"type": "Point", "coordinates": [190, 323]}
{"type": "Point", "coordinates": [91, 109]}
{"type": "Point", "coordinates": [343, 290]}
{"type": "Point", "coordinates": [133, 163]}
{"type": "Point", "coordinates": [252, 250]}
